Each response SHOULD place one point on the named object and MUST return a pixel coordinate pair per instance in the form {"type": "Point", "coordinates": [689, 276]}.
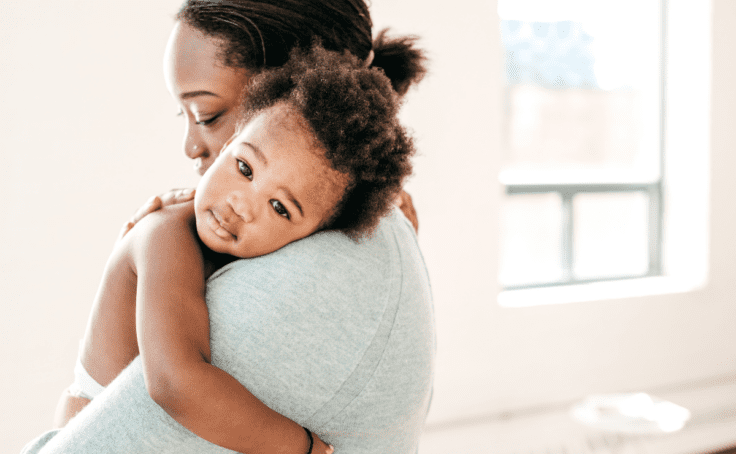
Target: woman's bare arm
{"type": "Point", "coordinates": [173, 336]}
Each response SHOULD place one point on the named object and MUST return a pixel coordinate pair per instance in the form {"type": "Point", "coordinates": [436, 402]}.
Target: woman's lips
{"type": "Point", "coordinates": [215, 223]}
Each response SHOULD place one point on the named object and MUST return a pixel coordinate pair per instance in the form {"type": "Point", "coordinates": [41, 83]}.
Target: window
{"type": "Point", "coordinates": [583, 139]}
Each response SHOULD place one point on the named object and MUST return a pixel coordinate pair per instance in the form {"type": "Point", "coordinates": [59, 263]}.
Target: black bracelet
{"type": "Point", "coordinates": [311, 440]}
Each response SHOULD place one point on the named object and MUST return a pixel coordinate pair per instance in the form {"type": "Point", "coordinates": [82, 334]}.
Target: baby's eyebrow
{"type": "Point", "coordinates": [293, 200]}
{"type": "Point", "coordinates": [257, 153]}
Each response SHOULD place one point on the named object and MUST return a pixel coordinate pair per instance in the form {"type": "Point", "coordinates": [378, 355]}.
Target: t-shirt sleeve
{"type": "Point", "coordinates": [123, 419]}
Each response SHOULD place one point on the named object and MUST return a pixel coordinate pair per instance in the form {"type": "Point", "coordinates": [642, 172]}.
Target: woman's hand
{"type": "Point", "coordinates": [155, 203]}
{"type": "Point", "coordinates": [403, 201]}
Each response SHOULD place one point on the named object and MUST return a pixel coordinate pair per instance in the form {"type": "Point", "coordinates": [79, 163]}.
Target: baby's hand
{"type": "Point", "coordinates": [155, 203]}
{"type": "Point", "coordinates": [320, 447]}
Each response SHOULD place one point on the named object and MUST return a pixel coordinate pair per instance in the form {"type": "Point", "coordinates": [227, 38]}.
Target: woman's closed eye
{"type": "Point", "coordinates": [205, 121]}
{"type": "Point", "coordinates": [208, 121]}
{"type": "Point", "coordinates": [245, 169]}
{"type": "Point", "coordinates": [280, 209]}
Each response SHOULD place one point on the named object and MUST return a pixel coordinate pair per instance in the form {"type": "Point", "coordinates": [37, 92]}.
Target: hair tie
{"type": "Point", "coordinates": [369, 59]}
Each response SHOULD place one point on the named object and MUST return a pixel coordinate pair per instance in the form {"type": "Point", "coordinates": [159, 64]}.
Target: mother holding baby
{"type": "Point", "coordinates": [335, 335]}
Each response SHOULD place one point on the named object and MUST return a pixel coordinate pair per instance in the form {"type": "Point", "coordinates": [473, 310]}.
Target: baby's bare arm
{"type": "Point", "coordinates": [68, 407]}
{"type": "Point", "coordinates": [110, 340]}
{"type": "Point", "coordinates": [173, 336]}
{"type": "Point", "coordinates": [156, 273]}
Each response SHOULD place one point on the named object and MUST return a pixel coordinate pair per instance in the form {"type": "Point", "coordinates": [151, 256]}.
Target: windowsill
{"type": "Point", "coordinates": [592, 177]}
{"type": "Point", "coordinates": [596, 291]}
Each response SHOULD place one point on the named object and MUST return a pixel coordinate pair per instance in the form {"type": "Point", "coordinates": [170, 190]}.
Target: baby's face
{"type": "Point", "coordinates": [269, 186]}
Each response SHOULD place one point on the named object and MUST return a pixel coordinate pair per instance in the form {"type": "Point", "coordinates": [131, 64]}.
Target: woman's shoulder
{"type": "Point", "coordinates": [331, 253]}
{"type": "Point", "coordinates": [361, 310]}
{"type": "Point", "coordinates": [320, 273]}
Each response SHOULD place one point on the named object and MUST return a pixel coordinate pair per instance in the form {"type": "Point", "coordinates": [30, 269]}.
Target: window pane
{"type": "Point", "coordinates": [531, 239]}
{"type": "Point", "coordinates": [611, 234]}
{"type": "Point", "coordinates": [582, 95]}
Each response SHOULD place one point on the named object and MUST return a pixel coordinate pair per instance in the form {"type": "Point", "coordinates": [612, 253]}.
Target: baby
{"type": "Point", "coordinates": [319, 148]}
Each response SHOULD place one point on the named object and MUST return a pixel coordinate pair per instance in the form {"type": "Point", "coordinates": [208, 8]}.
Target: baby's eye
{"type": "Point", "coordinates": [245, 170]}
{"type": "Point", "coordinates": [180, 113]}
{"type": "Point", "coordinates": [279, 208]}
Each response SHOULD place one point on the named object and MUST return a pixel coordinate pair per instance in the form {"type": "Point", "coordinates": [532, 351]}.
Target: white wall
{"type": "Point", "coordinates": [493, 359]}
{"type": "Point", "coordinates": [89, 132]}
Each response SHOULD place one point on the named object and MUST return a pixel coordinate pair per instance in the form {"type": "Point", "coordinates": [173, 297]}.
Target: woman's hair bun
{"type": "Point", "coordinates": [399, 58]}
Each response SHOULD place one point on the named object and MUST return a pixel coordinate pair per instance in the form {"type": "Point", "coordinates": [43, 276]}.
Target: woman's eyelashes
{"type": "Point", "coordinates": [203, 119]}
{"type": "Point", "coordinates": [208, 121]}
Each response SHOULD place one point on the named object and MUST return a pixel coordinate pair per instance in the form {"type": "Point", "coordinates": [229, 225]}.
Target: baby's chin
{"type": "Point", "coordinates": [216, 244]}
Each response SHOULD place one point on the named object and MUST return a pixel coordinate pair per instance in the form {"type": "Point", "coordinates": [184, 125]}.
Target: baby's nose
{"type": "Point", "coordinates": [242, 205]}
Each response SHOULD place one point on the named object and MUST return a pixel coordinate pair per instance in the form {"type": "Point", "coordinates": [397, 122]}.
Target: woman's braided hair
{"type": "Point", "coordinates": [260, 34]}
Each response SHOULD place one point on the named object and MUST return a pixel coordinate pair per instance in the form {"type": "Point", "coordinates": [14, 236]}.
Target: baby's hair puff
{"type": "Point", "coordinates": [352, 111]}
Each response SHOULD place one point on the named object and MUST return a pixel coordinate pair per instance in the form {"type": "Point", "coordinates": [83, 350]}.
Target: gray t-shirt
{"type": "Point", "coordinates": [336, 335]}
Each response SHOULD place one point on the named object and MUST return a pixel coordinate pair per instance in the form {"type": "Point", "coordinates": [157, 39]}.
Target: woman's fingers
{"type": "Point", "coordinates": [176, 196]}
{"type": "Point", "coordinates": [155, 203]}
{"type": "Point", "coordinates": [403, 201]}
{"type": "Point", "coordinates": [125, 229]}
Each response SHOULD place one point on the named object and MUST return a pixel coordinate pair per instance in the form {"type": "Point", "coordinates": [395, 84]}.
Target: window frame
{"type": "Point", "coordinates": [654, 190]}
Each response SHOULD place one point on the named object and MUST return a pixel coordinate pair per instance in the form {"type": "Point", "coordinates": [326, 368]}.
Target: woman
{"type": "Point", "coordinates": [331, 326]}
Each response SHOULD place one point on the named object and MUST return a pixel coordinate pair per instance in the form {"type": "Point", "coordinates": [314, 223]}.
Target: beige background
{"type": "Point", "coordinates": [89, 132]}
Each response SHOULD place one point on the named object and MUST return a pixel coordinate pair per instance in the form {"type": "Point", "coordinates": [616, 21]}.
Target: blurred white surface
{"type": "Point", "coordinates": [553, 431]}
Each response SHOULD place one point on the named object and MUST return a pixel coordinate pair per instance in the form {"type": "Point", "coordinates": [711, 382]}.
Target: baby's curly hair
{"type": "Point", "coordinates": [352, 112]}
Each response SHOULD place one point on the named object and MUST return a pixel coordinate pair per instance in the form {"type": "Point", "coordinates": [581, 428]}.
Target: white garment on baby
{"type": "Point", "coordinates": [84, 385]}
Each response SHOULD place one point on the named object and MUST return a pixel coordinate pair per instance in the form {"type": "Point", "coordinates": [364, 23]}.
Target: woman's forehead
{"type": "Point", "coordinates": [192, 62]}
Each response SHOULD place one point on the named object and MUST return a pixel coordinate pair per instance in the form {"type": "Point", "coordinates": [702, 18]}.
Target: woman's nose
{"type": "Point", "coordinates": [194, 146]}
